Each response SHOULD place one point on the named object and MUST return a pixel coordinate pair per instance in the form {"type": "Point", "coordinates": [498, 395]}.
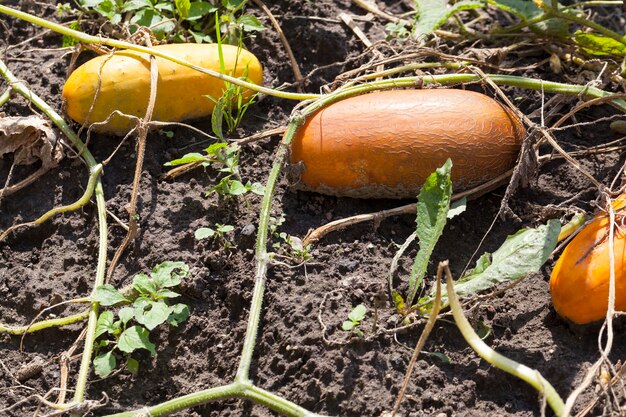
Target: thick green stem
{"type": "Point", "coordinates": [254, 316]}
{"type": "Point", "coordinates": [90, 337]}
{"type": "Point", "coordinates": [234, 390]}
{"type": "Point", "coordinates": [529, 375]}
{"type": "Point", "coordinates": [88, 39]}
{"type": "Point", "coordinates": [101, 207]}
{"type": "Point", "coordinates": [45, 324]}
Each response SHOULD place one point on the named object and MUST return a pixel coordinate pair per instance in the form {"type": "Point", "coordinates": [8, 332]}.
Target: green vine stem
{"type": "Point", "coordinates": [89, 39]}
{"type": "Point", "coordinates": [45, 324]}
{"type": "Point", "coordinates": [94, 174]}
{"type": "Point", "coordinates": [529, 375]}
{"type": "Point", "coordinates": [93, 166]}
{"type": "Point", "coordinates": [234, 390]}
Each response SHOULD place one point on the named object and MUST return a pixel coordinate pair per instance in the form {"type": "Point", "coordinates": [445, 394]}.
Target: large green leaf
{"type": "Point", "coordinates": [432, 210]}
{"type": "Point", "coordinates": [135, 337]}
{"type": "Point", "coordinates": [599, 45]}
{"type": "Point", "coordinates": [522, 253]}
{"type": "Point", "coordinates": [431, 14]}
{"type": "Point", "coordinates": [104, 364]}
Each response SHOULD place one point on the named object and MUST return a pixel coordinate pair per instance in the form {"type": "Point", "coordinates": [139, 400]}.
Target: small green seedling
{"type": "Point", "coordinates": [145, 306]}
{"type": "Point", "coordinates": [297, 251]}
{"type": "Point", "coordinates": [225, 159]}
{"type": "Point", "coordinates": [355, 318]}
{"type": "Point", "coordinates": [216, 234]}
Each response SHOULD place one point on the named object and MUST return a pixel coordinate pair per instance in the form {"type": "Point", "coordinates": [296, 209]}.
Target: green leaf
{"type": "Point", "coordinates": [432, 210]}
{"type": "Point", "coordinates": [105, 323]}
{"type": "Point", "coordinates": [165, 293]}
{"type": "Point", "coordinates": [132, 365]}
{"type": "Point", "coordinates": [215, 148]}
{"type": "Point", "coordinates": [152, 314]}
{"type": "Point", "coordinates": [186, 159]}
{"type": "Point", "coordinates": [199, 9]}
{"type": "Point", "coordinates": [107, 295]}
{"type": "Point", "coordinates": [125, 314]}
{"type": "Point", "coordinates": [521, 253]}
{"type": "Point", "coordinates": [457, 208]}
{"type": "Point", "coordinates": [200, 37]}
{"type": "Point", "coordinates": [250, 23]}
{"type": "Point", "coordinates": [237, 188]}
{"type": "Point", "coordinates": [225, 228]}
{"type": "Point", "coordinates": [104, 364]}
{"type": "Point", "coordinates": [398, 301]}
{"type": "Point", "coordinates": [358, 313]}
{"type": "Point", "coordinates": [183, 7]}
{"type": "Point", "coordinates": [204, 233]}
{"type": "Point", "coordinates": [68, 41]}
{"type": "Point", "coordinates": [132, 5]}
{"type": "Point", "coordinates": [180, 313]}
{"type": "Point", "coordinates": [144, 285]}
{"type": "Point", "coordinates": [443, 358]}
{"type": "Point", "coordinates": [217, 118]}
{"type": "Point", "coordinates": [169, 273]}
{"type": "Point", "coordinates": [599, 45]}
{"type": "Point", "coordinates": [523, 9]}
{"type": "Point", "coordinates": [348, 325]}
{"type": "Point", "coordinates": [135, 337]}
{"type": "Point", "coordinates": [257, 188]}
{"type": "Point", "coordinates": [431, 14]}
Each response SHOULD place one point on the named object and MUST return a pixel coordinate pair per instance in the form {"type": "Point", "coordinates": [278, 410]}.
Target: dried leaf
{"type": "Point", "coordinates": [30, 139]}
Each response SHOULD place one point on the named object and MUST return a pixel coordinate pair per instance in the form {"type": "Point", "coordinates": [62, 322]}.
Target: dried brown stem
{"type": "Point", "coordinates": [423, 337]}
{"type": "Point", "coordinates": [294, 64]}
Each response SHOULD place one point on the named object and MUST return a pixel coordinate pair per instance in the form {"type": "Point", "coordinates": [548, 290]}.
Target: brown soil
{"type": "Point", "coordinates": [56, 261]}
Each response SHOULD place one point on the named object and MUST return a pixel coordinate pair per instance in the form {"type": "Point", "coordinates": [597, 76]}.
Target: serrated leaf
{"type": "Point", "coordinates": [599, 45]}
{"type": "Point", "coordinates": [143, 284]}
{"type": "Point", "coordinates": [203, 233]}
{"type": "Point", "coordinates": [132, 365]}
{"type": "Point", "coordinates": [347, 325]}
{"type": "Point", "coordinates": [432, 210]}
{"type": "Point", "coordinates": [105, 323]}
{"type": "Point", "coordinates": [187, 159]}
{"type": "Point", "coordinates": [125, 314]}
{"type": "Point", "coordinates": [179, 314]}
{"type": "Point", "coordinates": [358, 313]}
{"type": "Point", "coordinates": [107, 295]}
{"type": "Point", "coordinates": [169, 273]}
{"type": "Point", "coordinates": [152, 314]}
{"type": "Point", "coordinates": [431, 14]}
{"type": "Point", "coordinates": [135, 337]}
{"type": "Point", "coordinates": [522, 253]}
{"type": "Point", "coordinates": [104, 364]}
